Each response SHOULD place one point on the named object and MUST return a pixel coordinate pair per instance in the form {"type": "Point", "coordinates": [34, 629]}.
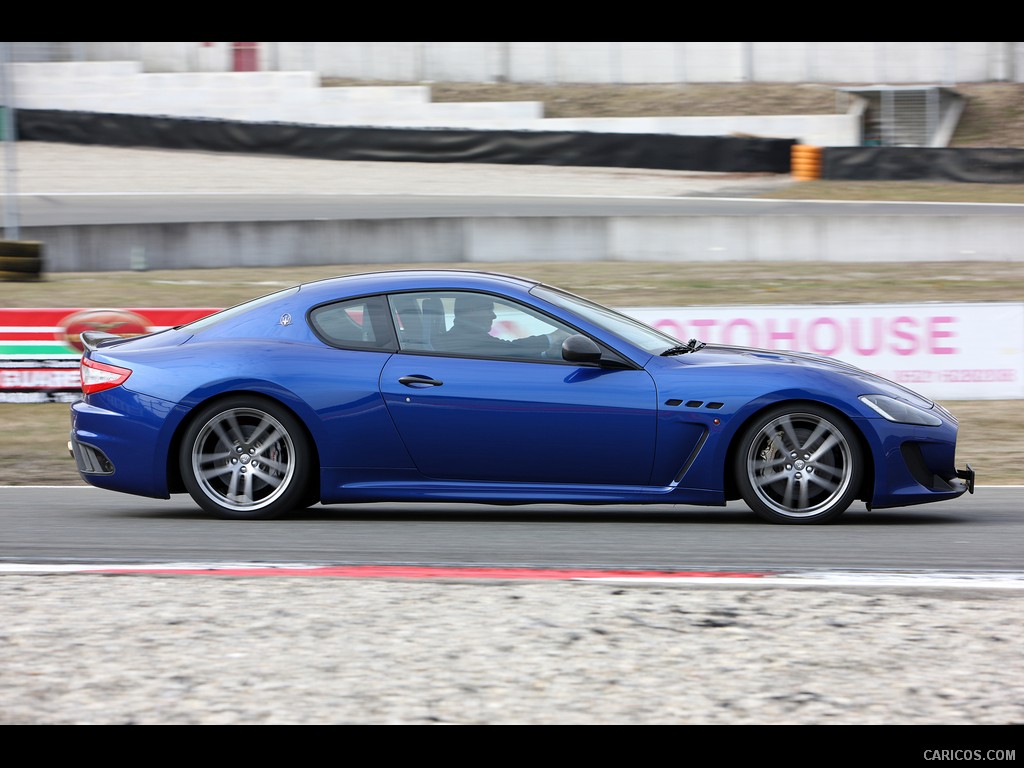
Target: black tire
{"type": "Point", "coordinates": [24, 265]}
{"type": "Point", "coordinates": [19, 277]}
{"type": "Point", "coordinates": [21, 249]}
{"type": "Point", "coordinates": [799, 464]}
{"type": "Point", "coordinates": [311, 498]}
{"type": "Point", "coordinates": [246, 458]}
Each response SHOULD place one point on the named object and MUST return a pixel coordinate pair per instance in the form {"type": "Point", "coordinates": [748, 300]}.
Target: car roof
{"type": "Point", "coordinates": [414, 280]}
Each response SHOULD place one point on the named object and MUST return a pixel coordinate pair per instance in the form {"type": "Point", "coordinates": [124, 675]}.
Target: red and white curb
{"type": "Point", "coordinates": [810, 578]}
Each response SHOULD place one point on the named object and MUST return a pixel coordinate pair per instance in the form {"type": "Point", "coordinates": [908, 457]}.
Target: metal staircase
{"type": "Point", "coordinates": [909, 116]}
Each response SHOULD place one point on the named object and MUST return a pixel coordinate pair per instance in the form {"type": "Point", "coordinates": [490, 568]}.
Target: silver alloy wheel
{"type": "Point", "coordinates": [243, 459]}
{"type": "Point", "coordinates": [800, 465]}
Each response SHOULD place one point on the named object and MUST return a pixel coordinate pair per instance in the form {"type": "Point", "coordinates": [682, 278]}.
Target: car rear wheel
{"type": "Point", "coordinates": [246, 458]}
{"type": "Point", "coordinates": [799, 464]}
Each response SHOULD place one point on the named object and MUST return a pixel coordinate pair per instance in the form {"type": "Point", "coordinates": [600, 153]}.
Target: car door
{"type": "Point", "coordinates": [510, 414]}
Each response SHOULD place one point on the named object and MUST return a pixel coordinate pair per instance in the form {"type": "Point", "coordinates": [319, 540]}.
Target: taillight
{"type": "Point", "coordinates": [98, 377]}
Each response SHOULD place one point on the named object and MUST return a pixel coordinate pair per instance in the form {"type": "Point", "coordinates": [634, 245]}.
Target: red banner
{"type": "Point", "coordinates": [40, 349]}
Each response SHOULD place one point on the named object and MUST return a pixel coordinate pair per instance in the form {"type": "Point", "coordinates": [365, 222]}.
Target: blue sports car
{"type": "Point", "coordinates": [453, 386]}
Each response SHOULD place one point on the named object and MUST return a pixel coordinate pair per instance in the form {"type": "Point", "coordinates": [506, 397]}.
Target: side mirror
{"type": "Point", "coordinates": [581, 349]}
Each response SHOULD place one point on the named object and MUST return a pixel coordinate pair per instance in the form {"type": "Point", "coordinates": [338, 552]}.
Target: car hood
{"type": "Point", "coordinates": [713, 355]}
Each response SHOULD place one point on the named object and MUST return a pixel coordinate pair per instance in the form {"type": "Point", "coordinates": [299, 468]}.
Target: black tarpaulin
{"type": "Point", "coordinates": [561, 148]}
{"type": "Point", "coordinates": [978, 166]}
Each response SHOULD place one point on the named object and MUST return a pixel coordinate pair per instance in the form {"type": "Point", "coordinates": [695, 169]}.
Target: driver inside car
{"type": "Point", "coordinates": [470, 333]}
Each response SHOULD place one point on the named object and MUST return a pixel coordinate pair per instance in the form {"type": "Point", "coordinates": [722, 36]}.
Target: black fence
{"type": "Point", "coordinates": [978, 166]}
{"type": "Point", "coordinates": [560, 148]}
{"type": "Point", "coordinates": [711, 154]}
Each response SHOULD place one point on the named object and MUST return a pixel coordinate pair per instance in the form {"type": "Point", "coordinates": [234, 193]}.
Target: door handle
{"type": "Point", "coordinates": [419, 382]}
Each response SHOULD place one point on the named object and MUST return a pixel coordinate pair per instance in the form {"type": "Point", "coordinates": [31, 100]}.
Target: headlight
{"type": "Point", "coordinates": [900, 412]}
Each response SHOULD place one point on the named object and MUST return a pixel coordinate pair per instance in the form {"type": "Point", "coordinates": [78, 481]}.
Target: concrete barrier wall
{"type": "Point", "coordinates": [822, 238]}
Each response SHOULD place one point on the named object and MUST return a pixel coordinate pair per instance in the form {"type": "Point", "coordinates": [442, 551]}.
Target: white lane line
{"type": "Point", "coordinates": [1000, 581]}
{"type": "Point", "coordinates": [1011, 581]}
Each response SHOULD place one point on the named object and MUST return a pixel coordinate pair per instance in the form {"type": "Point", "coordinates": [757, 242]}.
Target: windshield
{"type": "Point", "coordinates": [626, 328]}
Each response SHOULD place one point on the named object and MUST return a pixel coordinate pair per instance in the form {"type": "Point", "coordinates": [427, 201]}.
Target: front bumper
{"type": "Point", "coordinates": [915, 464]}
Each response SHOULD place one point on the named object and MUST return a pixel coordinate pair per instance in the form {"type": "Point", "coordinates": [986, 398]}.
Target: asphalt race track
{"type": "Point", "coordinates": [984, 532]}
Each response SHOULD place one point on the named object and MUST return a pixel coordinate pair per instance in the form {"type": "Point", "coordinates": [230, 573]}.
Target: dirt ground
{"type": "Point", "coordinates": [994, 115]}
{"type": "Point", "coordinates": [617, 284]}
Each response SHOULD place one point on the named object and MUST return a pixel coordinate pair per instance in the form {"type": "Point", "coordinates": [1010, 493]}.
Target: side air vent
{"type": "Point", "coordinates": [695, 404]}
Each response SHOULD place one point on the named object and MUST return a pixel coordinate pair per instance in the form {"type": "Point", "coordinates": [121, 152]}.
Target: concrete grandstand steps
{"type": "Point", "coordinates": [377, 94]}
{"type": "Point", "coordinates": [291, 97]}
{"type": "Point", "coordinates": [121, 87]}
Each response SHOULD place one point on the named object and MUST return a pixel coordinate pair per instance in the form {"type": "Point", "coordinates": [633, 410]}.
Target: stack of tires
{"type": "Point", "coordinates": [20, 261]}
{"type": "Point", "coordinates": [806, 162]}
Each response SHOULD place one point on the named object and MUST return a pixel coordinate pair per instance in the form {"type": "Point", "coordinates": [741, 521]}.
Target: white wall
{"type": "Point", "coordinates": [600, 62]}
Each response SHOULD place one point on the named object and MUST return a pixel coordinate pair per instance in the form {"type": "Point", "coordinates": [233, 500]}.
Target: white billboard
{"type": "Point", "coordinates": [943, 351]}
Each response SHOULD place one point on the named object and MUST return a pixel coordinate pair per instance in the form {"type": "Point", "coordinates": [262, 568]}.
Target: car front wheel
{"type": "Point", "coordinates": [246, 459]}
{"type": "Point", "coordinates": [799, 464]}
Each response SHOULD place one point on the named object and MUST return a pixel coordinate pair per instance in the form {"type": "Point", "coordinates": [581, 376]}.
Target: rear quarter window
{"type": "Point", "coordinates": [355, 324]}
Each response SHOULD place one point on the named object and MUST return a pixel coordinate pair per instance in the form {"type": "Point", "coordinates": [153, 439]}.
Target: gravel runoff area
{"type": "Point", "coordinates": [90, 649]}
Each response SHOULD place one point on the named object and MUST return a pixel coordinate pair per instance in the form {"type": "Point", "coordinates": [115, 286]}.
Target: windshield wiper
{"type": "Point", "coordinates": [691, 346]}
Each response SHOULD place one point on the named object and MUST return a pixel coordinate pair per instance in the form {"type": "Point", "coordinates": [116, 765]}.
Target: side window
{"type": "Point", "coordinates": [355, 324]}
{"type": "Point", "coordinates": [419, 319]}
{"type": "Point", "coordinates": [475, 325]}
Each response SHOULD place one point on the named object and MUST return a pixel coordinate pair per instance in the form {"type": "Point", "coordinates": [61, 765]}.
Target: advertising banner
{"type": "Point", "coordinates": [943, 351]}
{"type": "Point", "coordinates": [40, 349]}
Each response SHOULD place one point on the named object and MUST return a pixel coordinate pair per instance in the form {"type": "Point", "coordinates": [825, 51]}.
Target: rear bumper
{"type": "Point", "coordinates": [89, 459]}
{"type": "Point", "coordinates": [119, 453]}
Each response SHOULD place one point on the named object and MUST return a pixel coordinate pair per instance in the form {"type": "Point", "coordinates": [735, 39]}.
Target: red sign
{"type": "Point", "coordinates": [246, 57]}
{"type": "Point", "coordinates": [119, 322]}
{"type": "Point", "coordinates": [40, 349]}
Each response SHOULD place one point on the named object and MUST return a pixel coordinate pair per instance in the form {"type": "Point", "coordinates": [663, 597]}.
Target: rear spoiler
{"type": "Point", "coordinates": [93, 340]}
